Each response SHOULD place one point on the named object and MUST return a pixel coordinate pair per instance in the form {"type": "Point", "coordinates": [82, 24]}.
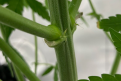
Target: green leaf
{"type": "Point", "coordinates": [112, 22]}
{"type": "Point", "coordinates": [95, 78]}
{"type": "Point", "coordinates": [118, 76]}
{"type": "Point", "coordinates": [2, 2]}
{"type": "Point", "coordinates": [83, 80]}
{"type": "Point", "coordinates": [16, 6]}
{"type": "Point", "coordinates": [116, 38]}
{"type": "Point", "coordinates": [48, 70]}
{"type": "Point", "coordinates": [38, 8]}
{"type": "Point", "coordinates": [107, 77]}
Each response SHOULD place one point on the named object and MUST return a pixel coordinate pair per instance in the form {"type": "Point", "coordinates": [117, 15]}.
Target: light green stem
{"type": "Point", "coordinates": [36, 54]}
{"type": "Point", "coordinates": [59, 15]}
{"type": "Point", "coordinates": [36, 47]}
{"type": "Point", "coordinates": [117, 58]}
{"type": "Point", "coordinates": [69, 47]}
{"type": "Point", "coordinates": [94, 11]}
{"type": "Point", "coordinates": [17, 61]}
{"type": "Point", "coordinates": [18, 73]}
{"type": "Point", "coordinates": [115, 64]}
{"type": "Point", "coordinates": [15, 20]}
{"type": "Point", "coordinates": [46, 64]}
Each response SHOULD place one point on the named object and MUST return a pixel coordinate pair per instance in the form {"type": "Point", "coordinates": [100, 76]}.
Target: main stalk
{"type": "Point", "coordinates": [65, 54]}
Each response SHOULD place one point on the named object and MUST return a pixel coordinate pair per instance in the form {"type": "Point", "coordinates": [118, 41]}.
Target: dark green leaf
{"type": "Point", "coordinates": [83, 80]}
{"type": "Point", "coordinates": [95, 78]}
{"type": "Point", "coordinates": [48, 70]}
{"type": "Point", "coordinates": [16, 6]}
{"type": "Point", "coordinates": [118, 77]}
{"type": "Point", "coordinates": [112, 22]}
{"type": "Point", "coordinates": [38, 8]}
{"type": "Point", "coordinates": [116, 38]}
{"type": "Point", "coordinates": [107, 77]}
{"type": "Point", "coordinates": [2, 2]}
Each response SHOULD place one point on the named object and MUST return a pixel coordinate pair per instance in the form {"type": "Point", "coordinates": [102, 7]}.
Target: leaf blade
{"type": "Point", "coordinates": [38, 8]}
{"type": "Point", "coordinates": [95, 78]}
{"type": "Point", "coordinates": [116, 39]}
{"type": "Point", "coordinates": [48, 70]}
{"type": "Point", "coordinates": [107, 77]}
{"type": "Point", "coordinates": [111, 22]}
{"type": "Point", "coordinates": [118, 76]}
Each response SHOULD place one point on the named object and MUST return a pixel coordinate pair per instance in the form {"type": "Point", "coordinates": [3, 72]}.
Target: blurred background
{"type": "Point", "coordinates": [94, 52]}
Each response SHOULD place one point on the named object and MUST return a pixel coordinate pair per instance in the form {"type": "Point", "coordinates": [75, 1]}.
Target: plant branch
{"type": "Point", "coordinates": [59, 16]}
{"type": "Point", "coordinates": [69, 47]}
{"type": "Point", "coordinates": [14, 20]}
{"type": "Point", "coordinates": [36, 47]}
{"type": "Point", "coordinates": [115, 64]}
{"type": "Point", "coordinates": [94, 11]}
{"type": "Point", "coordinates": [17, 61]}
{"type": "Point", "coordinates": [18, 73]}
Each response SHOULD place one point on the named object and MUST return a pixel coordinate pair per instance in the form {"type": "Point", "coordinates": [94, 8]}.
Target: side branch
{"type": "Point", "coordinates": [15, 20]}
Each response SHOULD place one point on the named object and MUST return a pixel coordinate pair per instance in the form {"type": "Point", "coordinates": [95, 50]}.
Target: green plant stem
{"type": "Point", "coordinates": [69, 47]}
{"type": "Point", "coordinates": [59, 16]}
{"type": "Point", "coordinates": [115, 64]}
{"type": "Point", "coordinates": [17, 61]}
{"type": "Point", "coordinates": [9, 65]}
{"type": "Point", "coordinates": [117, 58]}
{"type": "Point", "coordinates": [18, 73]}
{"type": "Point", "coordinates": [36, 54]}
{"type": "Point", "coordinates": [92, 7]}
{"type": "Point", "coordinates": [74, 6]}
{"type": "Point", "coordinates": [94, 11]}
{"type": "Point", "coordinates": [15, 20]}
{"type": "Point", "coordinates": [36, 47]}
